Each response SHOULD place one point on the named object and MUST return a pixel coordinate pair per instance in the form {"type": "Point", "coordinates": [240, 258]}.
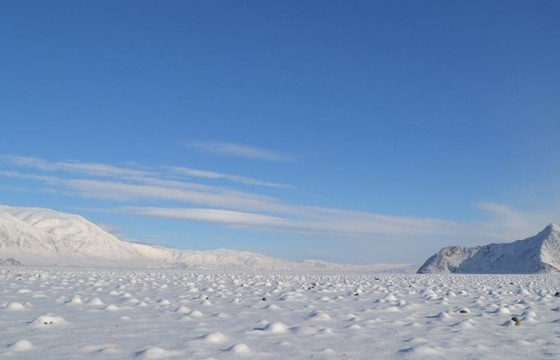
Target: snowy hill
{"type": "Point", "coordinates": [47, 233]}
{"type": "Point", "coordinates": [36, 236]}
{"type": "Point", "coordinates": [537, 254]}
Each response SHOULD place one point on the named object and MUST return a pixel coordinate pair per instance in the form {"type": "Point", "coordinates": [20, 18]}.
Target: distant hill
{"type": "Point", "coordinates": [536, 254]}
{"type": "Point", "coordinates": [36, 236]}
{"type": "Point", "coordinates": [48, 233]}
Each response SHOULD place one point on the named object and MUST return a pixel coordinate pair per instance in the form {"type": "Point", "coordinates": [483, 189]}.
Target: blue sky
{"type": "Point", "coordinates": [356, 132]}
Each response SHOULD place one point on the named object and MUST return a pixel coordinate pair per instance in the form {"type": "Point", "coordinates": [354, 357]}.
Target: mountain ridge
{"type": "Point", "coordinates": [536, 254]}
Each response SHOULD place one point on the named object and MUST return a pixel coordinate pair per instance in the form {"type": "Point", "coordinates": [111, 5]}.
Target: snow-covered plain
{"type": "Point", "coordinates": [53, 313]}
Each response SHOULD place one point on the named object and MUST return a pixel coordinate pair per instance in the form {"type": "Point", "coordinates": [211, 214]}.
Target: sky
{"type": "Point", "coordinates": [345, 131]}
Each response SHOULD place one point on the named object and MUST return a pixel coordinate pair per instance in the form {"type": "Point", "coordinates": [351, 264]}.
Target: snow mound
{"type": "Point", "coordinates": [15, 306]}
{"type": "Point", "coordinates": [76, 300]}
{"type": "Point", "coordinates": [156, 353]}
{"type": "Point", "coordinates": [239, 349]}
{"type": "Point", "coordinates": [95, 301]}
{"type": "Point", "coordinates": [21, 345]}
{"type": "Point", "coordinates": [319, 315]}
{"type": "Point", "coordinates": [182, 309]}
{"type": "Point", "coordinates": [45, 321]}
{"type": "Point", "coordinates": [276, 328]}
{"type": "Point", "coordinates": [214, 338]}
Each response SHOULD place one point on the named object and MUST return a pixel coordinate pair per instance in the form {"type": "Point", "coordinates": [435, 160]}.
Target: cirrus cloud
{"type": "Point", "coordinates": [239, 150]}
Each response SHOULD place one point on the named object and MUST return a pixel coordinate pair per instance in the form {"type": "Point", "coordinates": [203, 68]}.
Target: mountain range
{"type": "Point", "coordinates": [536, 254]}
{"type": "Point", "coordinates": [37, 236]}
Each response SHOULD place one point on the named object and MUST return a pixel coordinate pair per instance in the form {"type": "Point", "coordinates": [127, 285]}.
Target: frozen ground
{"type": "Point", "coordinates": [171, 314]}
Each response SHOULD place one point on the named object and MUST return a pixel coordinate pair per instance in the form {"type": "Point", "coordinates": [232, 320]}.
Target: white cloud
{"type": "Point", "coordinates": [507, 223]}
{"type": "Point", "coordinates": [378, 225]}
{"type": "Point", "coordinates": [216, 175]}
{"type": "Point", "coordinates": [200, 194]}
{"type": "Point", "coordinates": [138, 185]}
{"type": "Point", "coordinates": [330, 223]}
{"type": "Point", "coordinates": [75, 167]}
{"type": "Point", "coordinates": [42, 178]}
{"type": "Point", "coordinates": [242, 209]}
{"type": "Point", "coordinates": [150, 175]}
{"type": "Point", "coordinates": [229, 217]}
{"type": "Point", "coordinates": [238, 150]}
{"type": "Point", "coordinates": [302, 219]}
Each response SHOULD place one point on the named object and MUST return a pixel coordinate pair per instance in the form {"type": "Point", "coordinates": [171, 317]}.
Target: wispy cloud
{"type": "Point", "coordinates": [75, 167]}
{"type": "Point", "coordinates": [228, 217]}
{"type": "Point", "coordinates": [507, 223]}
{"type": "Point", "coordinates": [216, 175]}
{"type": "Point", "coordinates": [127, 173]}
{"type": "Point", "coordinates": [296, 218]}
{"type": "Point", "coordinates": [238, 150]}
{"type": "Point", "coordinates": [33, 177]}
{"type": "Point", "coordinates": [132, 186]}
{"type": "Point", "coordinates": [325, 222]}
{"type": "Point", "coordinates": [209, 196]}
{"type": "Point", "coordinates": [218, 204]}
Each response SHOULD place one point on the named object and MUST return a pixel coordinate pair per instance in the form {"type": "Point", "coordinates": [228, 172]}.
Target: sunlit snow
{"type": "Point", "coordinates": [54, 313]}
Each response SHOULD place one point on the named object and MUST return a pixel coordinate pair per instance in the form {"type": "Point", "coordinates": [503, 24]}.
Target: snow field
{"type": "Point", "coordinates": [49, 313]}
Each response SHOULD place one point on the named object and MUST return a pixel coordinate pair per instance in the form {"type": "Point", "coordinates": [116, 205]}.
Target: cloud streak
{"type": "Point", "coordinates": [217, 204]}
{"type": "Point", "coordinates": [74, 167]}
{"type": "Point", "coordinates": [125, 173]}
{"type": "Point", "coordinates": [242, 151]}
{"type": "Point", "coordinates": [205, 174]}
{"type": "Point", "coordinates": [318, 221]}
{"type": "Point", "coordinates": [508, 223]}
{"type": "Point", "coordinates": [228, 217]}
{"type": "Point", "coordinates": [182, 192]}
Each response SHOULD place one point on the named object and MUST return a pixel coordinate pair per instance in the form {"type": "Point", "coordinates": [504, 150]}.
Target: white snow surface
{"type": "Point", "coordinates": [536, 254]}
{"type": "Point", "coordinates": [78, 313]}
{"type": "Point", "coordinates": [36, 236]}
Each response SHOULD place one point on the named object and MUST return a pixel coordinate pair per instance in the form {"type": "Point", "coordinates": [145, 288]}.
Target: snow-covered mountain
{"type": "Point", "coordinates": [38, 236]}
{"type": "Point", "coordinates": [48, 233]}
{"type": "Point", "coordinates": [536, 254]}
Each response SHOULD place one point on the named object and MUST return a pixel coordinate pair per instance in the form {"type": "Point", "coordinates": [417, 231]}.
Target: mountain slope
{"type": "Point", "coordinates": [44, 237]}
{"type": "Point", "coordinates": [536, 254]}
{"type": "Point", "coordinates": [46, 232]}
